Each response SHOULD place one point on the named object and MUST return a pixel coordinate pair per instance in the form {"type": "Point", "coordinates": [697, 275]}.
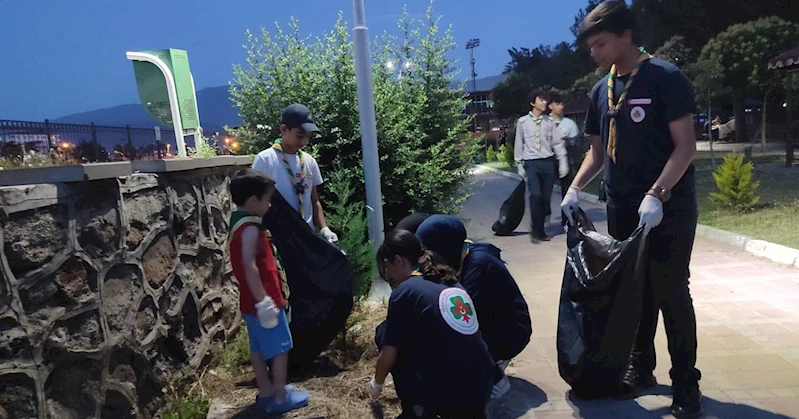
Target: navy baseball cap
{"type": "Point", "coordinates": [299, 116]}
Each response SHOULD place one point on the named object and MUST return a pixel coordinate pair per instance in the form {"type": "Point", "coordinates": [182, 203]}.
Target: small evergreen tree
{"type": "Point", "coordinates": [491, 155]}
{"type": "Point", "coordinates": [737, 188]}
{"type": "Point", "coordinates": [507, 155]}
{"type": "Point", "coordinates": [348, 219]}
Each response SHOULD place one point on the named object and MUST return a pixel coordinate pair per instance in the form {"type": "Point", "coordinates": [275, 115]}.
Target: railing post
{"type": "Point", "coordinates": [96, 143]}
{"type": "Point", "coordinates": [129, 150]}
{"type": "Point", "coordinates": [48, 130]}
{"type": "Point", "coordinates": [158, 141]}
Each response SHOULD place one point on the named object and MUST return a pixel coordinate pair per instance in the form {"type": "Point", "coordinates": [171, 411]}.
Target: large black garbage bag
{"type": "Point", "coordinates": [320, 281]}
{"type": "Point", "coordinates": [511, 212]}
{"type": "Point", "coordinates": [600, 308]}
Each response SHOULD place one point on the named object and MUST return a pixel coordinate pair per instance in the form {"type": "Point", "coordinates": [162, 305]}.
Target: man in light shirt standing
{"type": "Point", "coordinates": [296, 172]}
{"type": "Point", "coordinates": [535, 151]}
{"type": "Point", "coordinates": [567, 130]}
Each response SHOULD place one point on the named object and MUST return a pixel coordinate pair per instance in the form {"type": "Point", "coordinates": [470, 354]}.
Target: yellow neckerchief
{"type": "Point", "coordinates": [613, 109]}
{"type": "Point", "coordinates": [467, 244]}
{"type": "Point", "coordinates": [299, 184]}
{"type": "Point", "coordinates": [537, 120]}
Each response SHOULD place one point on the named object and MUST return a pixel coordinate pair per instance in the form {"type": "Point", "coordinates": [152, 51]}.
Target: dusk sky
{"type": "Point", "coordinates": [66, 56]}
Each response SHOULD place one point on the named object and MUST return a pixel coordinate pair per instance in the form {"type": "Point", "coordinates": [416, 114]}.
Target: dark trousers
{"type": "Point", "coordinates": [666, 287]}
{"type": "Point", "coordinates": [565, 181]}
{"type": "Point", "coordinates": [540, 180]}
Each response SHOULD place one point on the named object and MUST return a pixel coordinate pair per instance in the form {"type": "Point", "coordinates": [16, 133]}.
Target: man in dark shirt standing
{"type": "Point", "coordinates": [641, 123]}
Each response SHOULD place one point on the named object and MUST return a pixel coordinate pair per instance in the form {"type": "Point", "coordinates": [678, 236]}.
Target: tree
{"type": "Point", "coordinates": [677, 52]}
{"type": "Point", "coordinates": [423, 142]}
{"type": "Point", "coordinates": [739, 57]}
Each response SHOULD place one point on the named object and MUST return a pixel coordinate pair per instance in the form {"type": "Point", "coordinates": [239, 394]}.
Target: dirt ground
{"type": "Point", "coordinates": [337, 385]}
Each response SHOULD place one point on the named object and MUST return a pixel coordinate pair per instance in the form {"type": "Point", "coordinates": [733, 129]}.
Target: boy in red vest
{"type": "Point", "coordinates": [263, 292]}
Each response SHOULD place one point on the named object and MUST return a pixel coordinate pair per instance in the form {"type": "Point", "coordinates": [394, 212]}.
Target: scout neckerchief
{"type": "Point", "coordinates": [537, 120]}
{"type": "Point", "coordinates": [299, 184]}
{"type": "Point", "coordinates": [239, 219]}
{"type": "Point", "coordinates": [416, 271]}
{"type": "Point", "coordinates": [467, 245]}
{"type": "Point", "coordinates": [613, 109]}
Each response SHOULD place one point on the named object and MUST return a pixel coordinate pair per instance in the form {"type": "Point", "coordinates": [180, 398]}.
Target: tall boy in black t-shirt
{"type": "Point", "coordinates": [641, 126]}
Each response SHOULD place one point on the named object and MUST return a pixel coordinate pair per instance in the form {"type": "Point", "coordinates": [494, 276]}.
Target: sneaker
{"type": "Point", "coordinates": [686, 400]}
{"type": "Point", "coordinates": [500, 388]}
{"type": "Point", "coordinates": [536, 239]}
{"type": "Point", "coordinates": [634, 382]}
{"type": "Point", "coordinates": [295, 399]}
{"type": "Point", "coordinates": [264, 402]}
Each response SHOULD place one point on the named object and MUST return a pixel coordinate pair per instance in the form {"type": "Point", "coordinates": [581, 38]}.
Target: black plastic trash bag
{"type": "Point", "coordinates": [511, 212]}
{"type": "Point", "coordinates": [320, 282]}
{"type": "Point", "coordinates": [600, 308]}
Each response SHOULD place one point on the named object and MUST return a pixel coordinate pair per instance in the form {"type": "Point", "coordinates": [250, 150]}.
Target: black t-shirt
{"type": "Point", "coordinates": [503, 313]}
{"type": "Point", "coordinates": [442, 359]}
{"type": "Point", "coordinates": [660, 94]}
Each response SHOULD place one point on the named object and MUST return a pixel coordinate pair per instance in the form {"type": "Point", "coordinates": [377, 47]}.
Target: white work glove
{"type": "Point", "coordinates": [520, 169]}
{"type": "Point", "coordinates": [374, 388]}
{"type": "Point", "coordinates": [563, 168]}
{"type": "Point", "coordinates": [650, 213]}
{"type": "Point", "coordinates": [329, 235]}
{"type": "Point", "coordinates": [267, 312]}
{"type": "Point", "coordinates": [570, 203]}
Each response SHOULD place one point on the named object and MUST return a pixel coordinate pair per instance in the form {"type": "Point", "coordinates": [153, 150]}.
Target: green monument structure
{"type": "Point", "coordinates": [166, 90]}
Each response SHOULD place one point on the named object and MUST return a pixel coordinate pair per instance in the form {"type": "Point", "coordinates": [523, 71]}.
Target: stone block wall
{"type": "Point", "coordinates": [108, 286]}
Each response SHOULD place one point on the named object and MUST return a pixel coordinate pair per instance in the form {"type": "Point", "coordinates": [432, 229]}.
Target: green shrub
{"type": "Point", "coordinates": [736, 187]}
{"type": "Point", "coordinates": [491, 155]}
{"type": "Point", "coordinates": [507, 155]}
{"type": "Point", "coordinates": [348, 220]}
{"type": "Point", "coordinates": [425, 150]}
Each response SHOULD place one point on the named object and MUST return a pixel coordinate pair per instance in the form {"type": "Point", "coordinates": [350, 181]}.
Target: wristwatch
{"type": "Point", "coordinates": [661, 193]}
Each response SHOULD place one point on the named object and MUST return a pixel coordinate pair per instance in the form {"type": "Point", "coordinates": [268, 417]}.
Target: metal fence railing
{"type": "Point", "coordinates": [86, 143]}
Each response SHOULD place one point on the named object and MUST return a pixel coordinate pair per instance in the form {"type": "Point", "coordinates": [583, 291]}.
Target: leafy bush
{"type": "Point", "coordinates": [424, 148]}
{"type": "Point", "coordinates": [491, 155]}
{"type": "Point", "coordinates": [507, 155]}
{"type": "Point", "coordinates": [737, 189]}
{"type": "Point", "coordinates": [348, 219]}
{"type": "Point", "coordinates": [27, 159]}
{"type": "Point", "coordinates": [204, 147]}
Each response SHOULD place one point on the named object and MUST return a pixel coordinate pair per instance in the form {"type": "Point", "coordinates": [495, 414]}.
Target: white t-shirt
{"type": "Point", "coordinates": [568, 129]}
{"type": "Point", "coordinates": [270, 163]}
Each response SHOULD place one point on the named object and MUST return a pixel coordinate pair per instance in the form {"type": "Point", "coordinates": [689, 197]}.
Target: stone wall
{"type": "Point", "coordinates": [108, 286]}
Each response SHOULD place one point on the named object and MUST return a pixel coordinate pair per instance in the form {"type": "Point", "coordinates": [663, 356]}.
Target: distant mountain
{"type": "Point", "coordinates": [216, 109]}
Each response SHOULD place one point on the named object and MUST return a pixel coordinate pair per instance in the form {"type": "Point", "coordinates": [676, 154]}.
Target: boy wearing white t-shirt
{"type": "Point", "coordinates": [296, 172]}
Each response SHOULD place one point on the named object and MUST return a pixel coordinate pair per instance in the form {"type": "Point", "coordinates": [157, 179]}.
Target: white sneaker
{"type": "Point", "coordinates": [500, 388]}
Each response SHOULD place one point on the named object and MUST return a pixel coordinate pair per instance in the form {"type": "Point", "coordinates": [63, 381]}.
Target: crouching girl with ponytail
{"type": "Point", "coordinates": [430, 341]}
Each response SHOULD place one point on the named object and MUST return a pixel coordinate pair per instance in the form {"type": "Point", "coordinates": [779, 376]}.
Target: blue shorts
{"type": "Point", "coordinates": [268, 342]}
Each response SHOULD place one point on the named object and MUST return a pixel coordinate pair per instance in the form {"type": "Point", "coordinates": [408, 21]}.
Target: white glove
{"type": "Point", "coordinates": [374, 388]}
{"type": "Point", "coordinates": [570, 203]}
{"type": "Point", "coordinates": [329, 235]}
{"type": "Point", "coordinates": [267, 312]}
{"type": "Point", "coordinates": [520, 169]}
{"type": "Point", "coordinates": [650, 213]}
{"type": "Point", "coordinates": [563, 168]}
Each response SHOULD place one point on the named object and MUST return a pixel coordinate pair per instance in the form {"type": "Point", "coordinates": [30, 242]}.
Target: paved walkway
{"type": "Point", "coordinates": [748, 324]}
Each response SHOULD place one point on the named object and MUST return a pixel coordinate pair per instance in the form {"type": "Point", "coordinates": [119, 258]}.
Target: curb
{"type": "Point", "coordinates": [776, 253]}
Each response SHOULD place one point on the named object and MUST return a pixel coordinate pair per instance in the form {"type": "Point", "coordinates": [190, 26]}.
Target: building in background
{"type": "Point", "coordinates": [481, 105]}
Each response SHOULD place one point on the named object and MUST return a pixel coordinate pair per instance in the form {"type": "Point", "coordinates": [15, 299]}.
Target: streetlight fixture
{"type": "Point", "coordinates": [471, 45]}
